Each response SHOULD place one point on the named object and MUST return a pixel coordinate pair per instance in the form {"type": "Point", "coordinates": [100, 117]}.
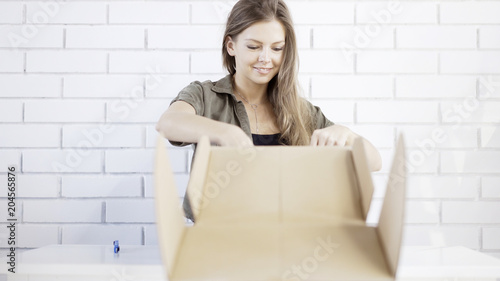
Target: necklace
{"type": "Point", "coordinates": [254, 107]}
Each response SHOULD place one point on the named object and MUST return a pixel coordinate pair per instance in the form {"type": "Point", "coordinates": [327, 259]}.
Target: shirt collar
{"type": "Point", "coordinates": [224, 85]}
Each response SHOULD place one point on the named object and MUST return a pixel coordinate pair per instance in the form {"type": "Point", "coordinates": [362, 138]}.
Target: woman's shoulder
{"type": "Point", "coordinates": [208, 86]}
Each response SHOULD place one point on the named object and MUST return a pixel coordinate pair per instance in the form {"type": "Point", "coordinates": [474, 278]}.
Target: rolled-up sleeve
{"type": "Point", "coordinates": [193, 95]}
{"type": "Point", "coordinates": [318, 118]}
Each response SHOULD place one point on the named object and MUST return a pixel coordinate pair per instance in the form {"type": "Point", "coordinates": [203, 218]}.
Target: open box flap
{"type": "Point", "coordinates": [171, 225]}
{"type": "Point", "coordinates": [365, 183]}
{"type": "Point", "coordinates": [198, 176]}
{"type": "Point", "coordinates": [390, 226]}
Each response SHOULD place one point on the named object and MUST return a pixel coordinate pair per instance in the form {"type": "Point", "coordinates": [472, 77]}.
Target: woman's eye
{"type": "Point", "coordinates": [252, 47]}
{"type": "Point", "coordinates": [278, 49]}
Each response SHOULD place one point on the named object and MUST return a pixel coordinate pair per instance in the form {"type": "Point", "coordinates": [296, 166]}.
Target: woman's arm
{"type": "Point", "coordinates": [180, 123]}
{"type": "Point", "coordinates": [343, 136]}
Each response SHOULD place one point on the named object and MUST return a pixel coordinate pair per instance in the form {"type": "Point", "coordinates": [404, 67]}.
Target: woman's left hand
{"type": "Point", "coordinates": [335, 135]}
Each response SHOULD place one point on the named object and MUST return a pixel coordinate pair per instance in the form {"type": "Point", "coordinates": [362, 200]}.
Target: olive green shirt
{"type": "Point", "coordinates": [215, 100]}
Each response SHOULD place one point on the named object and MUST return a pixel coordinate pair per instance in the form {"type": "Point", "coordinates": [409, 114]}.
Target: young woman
{"type": "Point", "coordinates": [258, 103]}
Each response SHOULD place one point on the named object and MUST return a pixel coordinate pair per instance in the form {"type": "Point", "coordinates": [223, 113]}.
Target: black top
{"type": "Point", "coordinates": [266, 139]}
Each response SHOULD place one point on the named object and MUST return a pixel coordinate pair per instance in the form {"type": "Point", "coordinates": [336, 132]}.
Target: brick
{"type": "Point", "coordinates": [470, 12]}
{"type": "Point", "coordinates": [397, 62]}
{"type": "Point", "coordinates": [101, 186]}
{"type": "Point", "coordinates": [303, 36]}
{"type": "Point", "coordinates": [489, 86]}
{"type": "Point", "coordinates": [470, 161]}
{"type": "Point", "coordinates": [471, 212]}
{"type": "Point", "coordinates": [66, 61]}
{"type": "Point", "coordinates": [57, 12]}
{"type": "Point", "coordinates": [441, 236]}
{"type": "Point", "coordinates": [103, 86]}
{"type": "Point", "coordinates": [120, 161]}
{"type": "Point", "coordinates": [489, 37]}
{"type": "Point", "coordinates": [490, 137]}
{"type": "Point", "coordinates": [209, 62]}
{"type": "Point", "coordinates": [470, 62]}
{"type": "Point", "coordinates": [185, 37]}
{"type": "Point", "coordinates": [213, 12]}
{"type": "Point", "coordinates": [490, 187]}
{"type": "Point", "coordinates": [169, 86]}
{"type": "Point", "coordinates": [336, 111]}
{"type": "Point", "coordinates": [62, 161]}
{"type": "Point", "coordinates": [351, 86]}
{"type": "Point", "coordinates": [11, 111]}
{"type": "Point", "coordinates": [321, 12]}
{"type": "Point", "coordinates": [34, 186]}
{"type": "Point", "coordinates": [11, 12]}
{"type": "Point", "coordinates": [102, 135]}
{"type": "Point", "coordinates": [436, 37]}
{"type": "Point", "coordinates": [332, 62]}
{"type": "Point", "coordinates": [31, 36]}
{"type": "Point", "coordinates": [398, 13]}
{"type": "Point", "coordinates": [150, 235]}
{"type": "Point", "coordinates": [422, 212]}
{"type": "Point", "coordinates": [10, 158]}
{"type": "Point", "coordinates": [149, 12]}
{"type": "Point", "coordinates": [430, 138]}
{"type": "Point", "coordinates": [45, 235]}
{"type": "Point", "coordinates": [105, 37]}
{"type": "Point", "coordinates": [378, 135]}
{"type": "Point", "coordinates": [397, 112]}
{"type": "Point", "coordinates": [419, 161]}
{"type": "Point", "coordinates": [442, 86]}
{"type": "Point", "coordinates": [357, 37]}
{"type": "Point", "coordinates": [62, 211]}
{"type": "Point", "coordinates": [181, 182]}
{"type": "Point", "coordinates": [102, 234]}
{"type": "Point", "coordinates": [63, 111]}
{"type": "Point", "coordinates": [12, 61]}
{"type": "Point", "coordinates": [38, 186]}
{"type": "Point", "coordinates": [146, 62]}
{"type": "Point", "coordinates": [490, 238]}
{"type": "Point", "coordinates": [470, 110]}
{"type": "Point", "coordinates": [23, 136]}
{"type": "Point", "coordinates": [136, 111]}
{"type": "Point", "coordinates": [442, 187]}
{"type": "Point", "coordinates": [130, 211]}
{"type": "Point", "coordinates": [30, 86]}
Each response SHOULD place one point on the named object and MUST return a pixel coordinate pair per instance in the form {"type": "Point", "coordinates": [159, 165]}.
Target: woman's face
{"type": "Point", "coordinates": [258, 51]}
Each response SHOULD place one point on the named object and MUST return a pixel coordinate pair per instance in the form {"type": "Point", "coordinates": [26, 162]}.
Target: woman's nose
{"type": "Point", "coordinates": [264, 56]}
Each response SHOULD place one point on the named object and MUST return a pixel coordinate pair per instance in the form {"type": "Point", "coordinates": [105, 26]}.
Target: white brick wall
{"type": "Point", "coordinates": [82, 84]}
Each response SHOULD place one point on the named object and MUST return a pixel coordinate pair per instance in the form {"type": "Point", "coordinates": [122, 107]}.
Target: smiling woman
{"type": "Point", "coordinates": [258, 102]}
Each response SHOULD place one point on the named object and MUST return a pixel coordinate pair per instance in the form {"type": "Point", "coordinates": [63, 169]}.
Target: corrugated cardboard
{"type": "Point", "coordinates": [279, 213]}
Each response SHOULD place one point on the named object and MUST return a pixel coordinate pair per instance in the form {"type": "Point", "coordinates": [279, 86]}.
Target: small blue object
{"type": "Point", "coordinates": [117, 246]}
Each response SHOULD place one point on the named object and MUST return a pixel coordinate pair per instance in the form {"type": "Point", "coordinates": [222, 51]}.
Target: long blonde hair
{"type": "Point", "coordinates": [293, 117]}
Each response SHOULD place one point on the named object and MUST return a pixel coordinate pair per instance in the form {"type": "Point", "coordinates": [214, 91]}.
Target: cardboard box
{"type": "Point", "coordinates": [279, 213]}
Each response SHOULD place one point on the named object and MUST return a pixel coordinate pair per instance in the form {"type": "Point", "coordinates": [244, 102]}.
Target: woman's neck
{"type": "Point", "coordinates": [254, 93]}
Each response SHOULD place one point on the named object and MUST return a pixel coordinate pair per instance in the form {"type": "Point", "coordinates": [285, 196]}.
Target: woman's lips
{"type": "Point", "coordinates": [263, 70]}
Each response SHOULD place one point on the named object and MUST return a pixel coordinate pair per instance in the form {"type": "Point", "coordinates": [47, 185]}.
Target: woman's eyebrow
{"type": "Point", "coordinates": [257, 41]}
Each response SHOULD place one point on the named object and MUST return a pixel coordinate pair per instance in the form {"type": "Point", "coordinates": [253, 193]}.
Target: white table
{"type": "Point", "coordinates": [134, 263]}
